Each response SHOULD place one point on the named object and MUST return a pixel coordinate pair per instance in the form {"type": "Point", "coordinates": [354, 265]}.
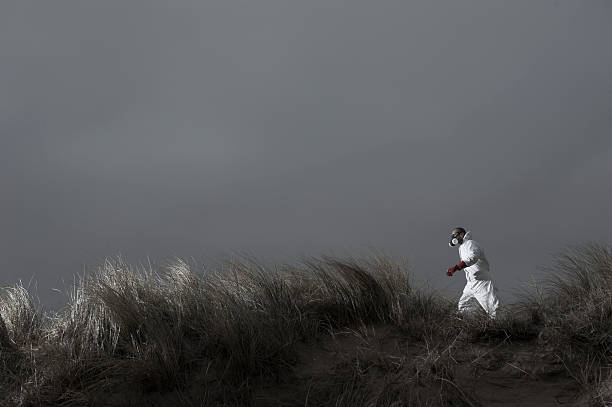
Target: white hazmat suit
{"type": "Point", "coordinates": [479, 284]}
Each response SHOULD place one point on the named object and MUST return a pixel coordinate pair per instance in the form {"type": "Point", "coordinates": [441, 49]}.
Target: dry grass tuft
{"type": "Point", "coordinates": [128, 333]}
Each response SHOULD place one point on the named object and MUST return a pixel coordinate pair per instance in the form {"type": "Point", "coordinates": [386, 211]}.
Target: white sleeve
{"type": "Point", "coordinates": [472, 255]}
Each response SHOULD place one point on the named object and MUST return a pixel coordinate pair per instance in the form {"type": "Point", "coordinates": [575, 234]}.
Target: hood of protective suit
{"type": "Point", "coordinates": [468, 236]}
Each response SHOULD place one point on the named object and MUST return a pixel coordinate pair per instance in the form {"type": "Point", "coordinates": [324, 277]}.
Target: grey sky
{"type": "Point", "coordinates": [302, 127]}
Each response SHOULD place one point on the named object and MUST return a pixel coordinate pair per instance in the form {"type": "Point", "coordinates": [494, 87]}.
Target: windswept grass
{"type": "Point", "coordinates": [573, 314]}
{"type": "Point", "coordinates": [128, 332]}
{"type": "Point", "coordinates": [20, 315]}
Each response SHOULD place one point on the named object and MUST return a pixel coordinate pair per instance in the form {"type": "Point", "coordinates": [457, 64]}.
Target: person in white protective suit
{"type": "Point", "coordinates": [479, 284]}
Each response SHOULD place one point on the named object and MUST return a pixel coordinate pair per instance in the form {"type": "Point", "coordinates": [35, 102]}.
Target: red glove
{"type": "Point", "coordinates": [459, 266]}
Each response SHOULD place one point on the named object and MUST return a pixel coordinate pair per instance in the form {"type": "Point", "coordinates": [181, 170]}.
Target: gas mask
{"type": "Point", "coordinates": [454, 240]}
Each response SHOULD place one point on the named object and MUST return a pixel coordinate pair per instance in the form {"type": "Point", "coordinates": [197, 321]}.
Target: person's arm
{"type": "Point", "coordinates": [473, 254]}
{"type": "Point", "coordinates": [455, 268]}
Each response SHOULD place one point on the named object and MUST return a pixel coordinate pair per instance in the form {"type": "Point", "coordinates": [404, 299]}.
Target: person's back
{"type": "Point", "coordinates": [468, 250]}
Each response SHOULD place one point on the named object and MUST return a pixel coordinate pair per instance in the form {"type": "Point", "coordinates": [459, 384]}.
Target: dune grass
{"type": "Point", "coordinates": [573, 315]}
{"type": "Point", "coordinates": [128, 332]}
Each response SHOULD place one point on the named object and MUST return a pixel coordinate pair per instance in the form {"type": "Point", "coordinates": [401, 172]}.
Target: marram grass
{"type": "Point", "coordinates": [128, 332]}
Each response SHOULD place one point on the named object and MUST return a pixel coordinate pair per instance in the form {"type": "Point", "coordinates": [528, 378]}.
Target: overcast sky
{"type": "Point", "coordinates": [289, 128]}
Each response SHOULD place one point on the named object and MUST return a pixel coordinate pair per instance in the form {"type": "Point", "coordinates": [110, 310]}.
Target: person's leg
{"type": "Point", "coordinates": [486, 294]}
{"type": "Point", "coordinates": [463, 305]}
